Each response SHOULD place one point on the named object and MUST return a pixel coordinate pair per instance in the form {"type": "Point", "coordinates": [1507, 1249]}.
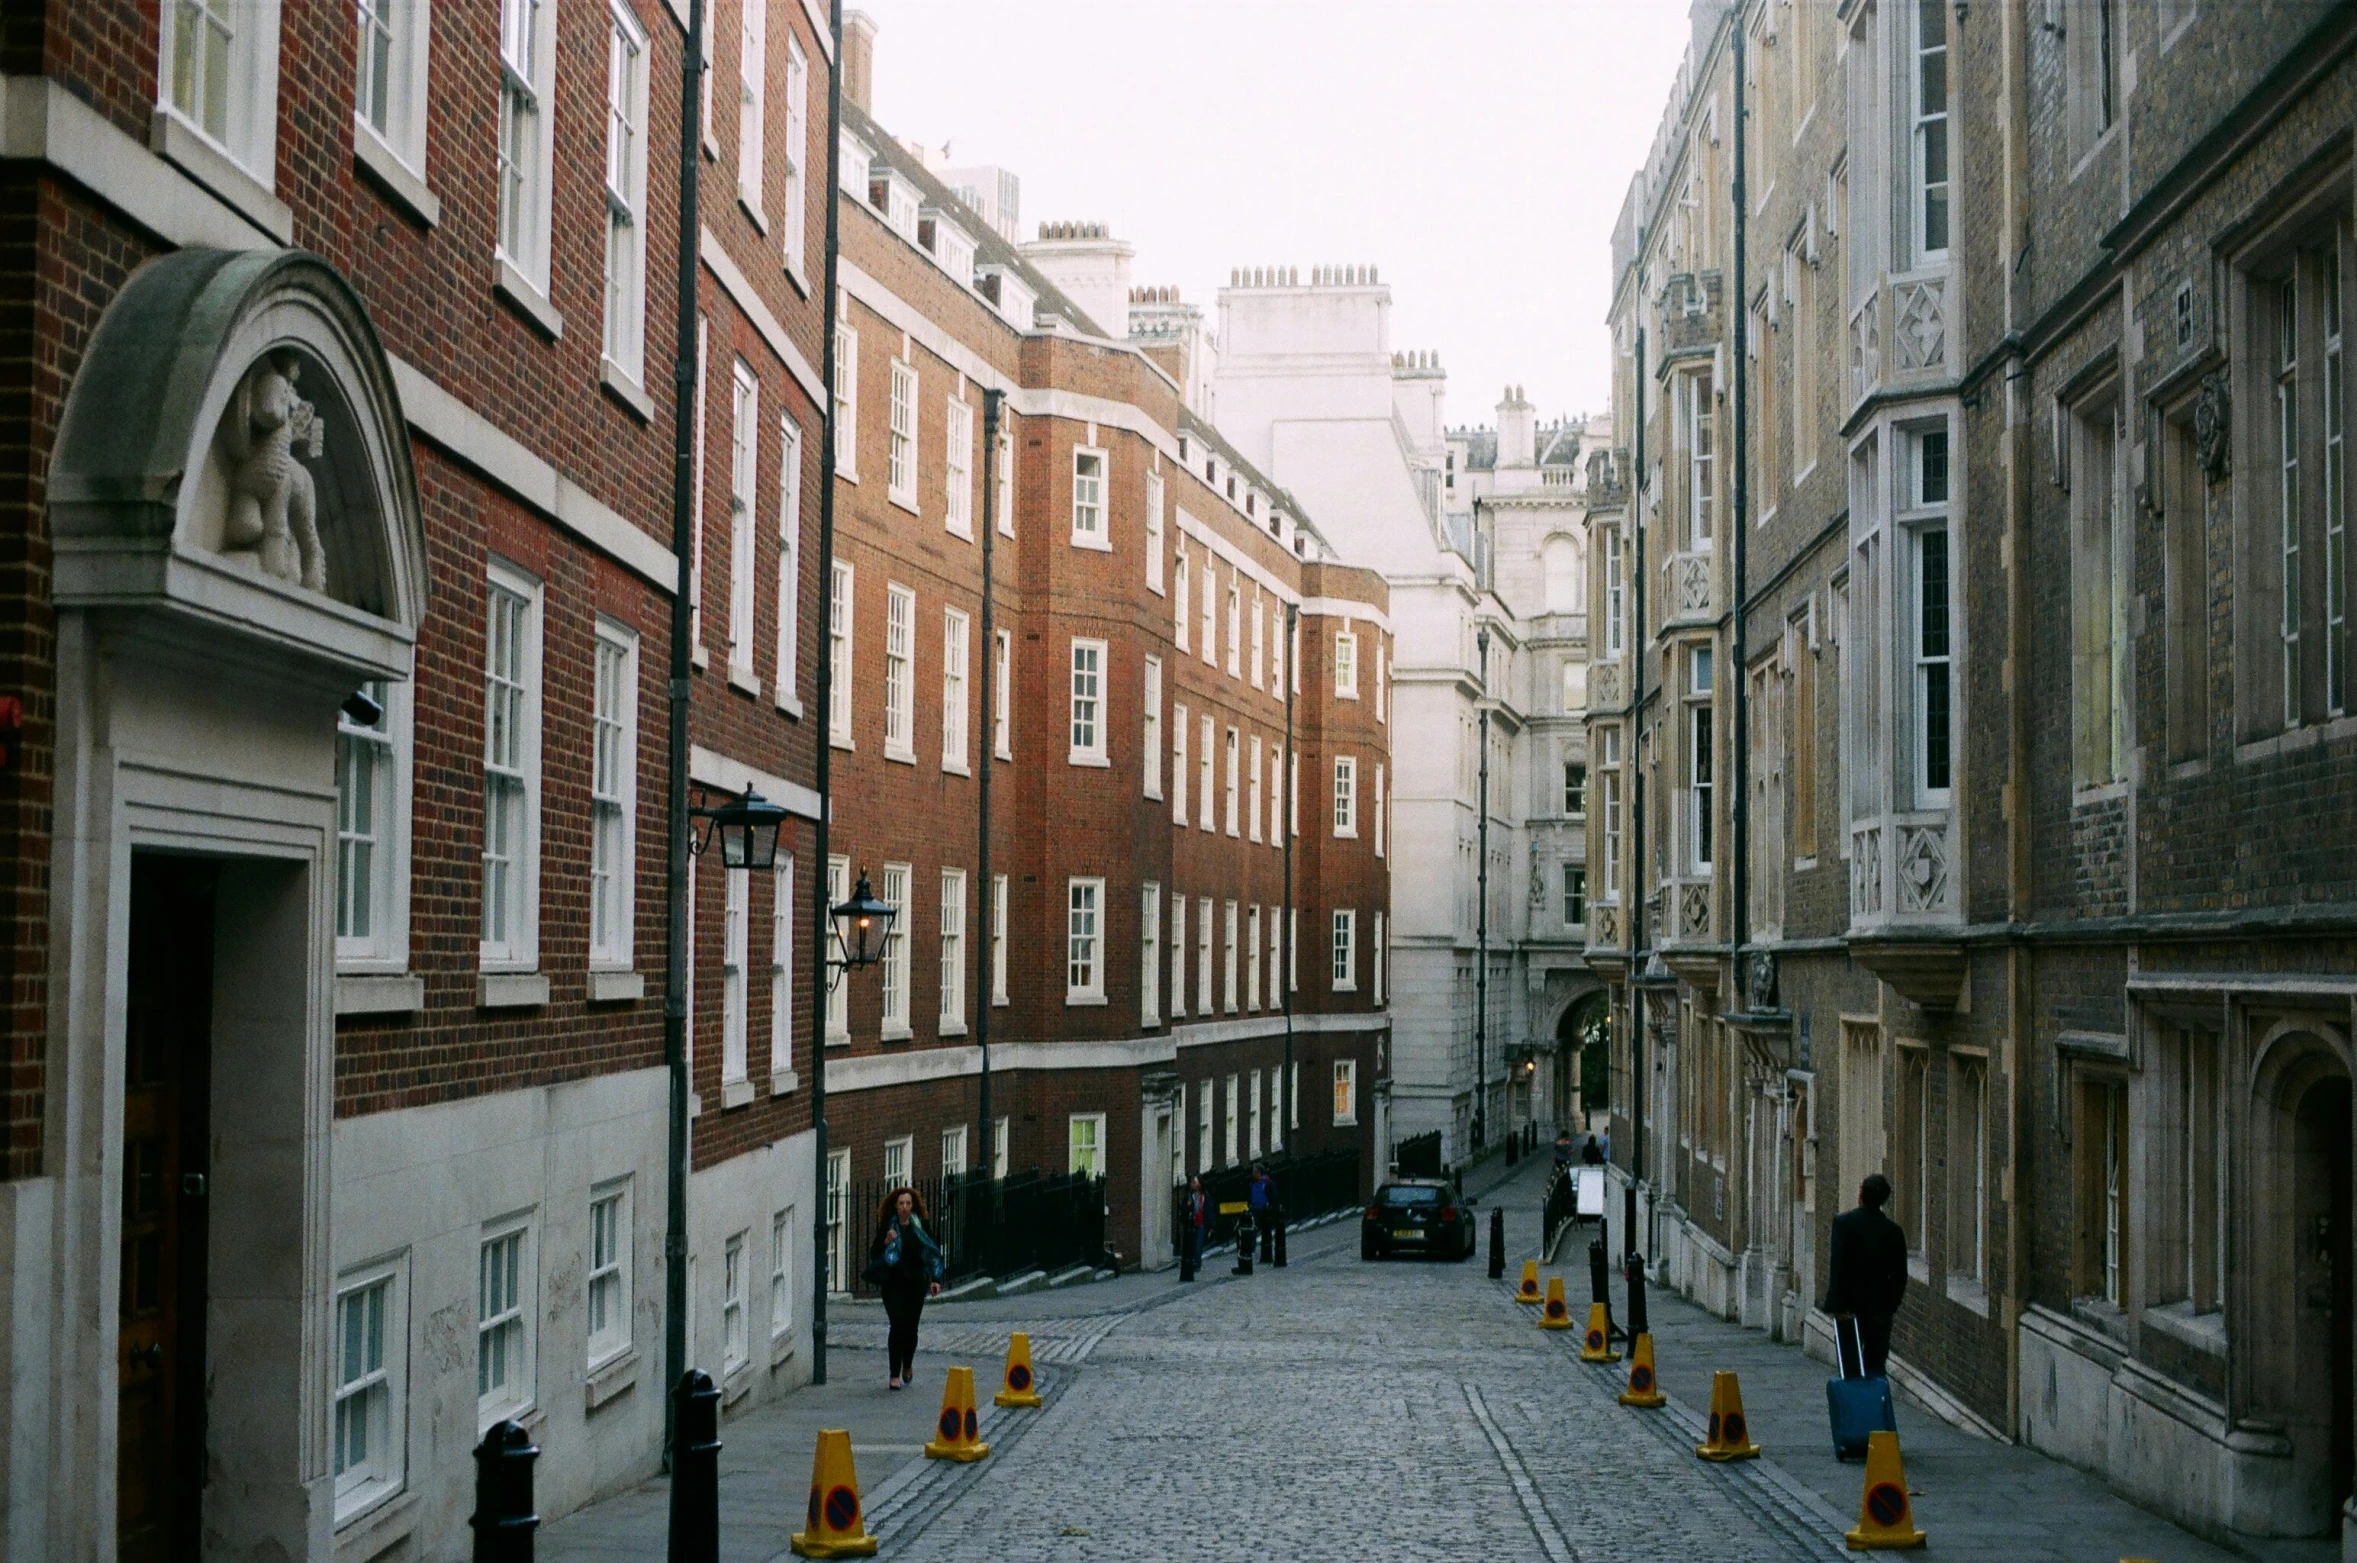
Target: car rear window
{"type": "Point", "coordinates": [1410, 1196]}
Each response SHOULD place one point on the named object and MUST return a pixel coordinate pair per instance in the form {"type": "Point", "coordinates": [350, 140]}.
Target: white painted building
{"type": "Point", "coordinates": [1306, 382]}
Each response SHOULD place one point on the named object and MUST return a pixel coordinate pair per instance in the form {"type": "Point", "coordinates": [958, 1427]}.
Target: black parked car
{"type": "Point", "coordinates": [1416, 1215]}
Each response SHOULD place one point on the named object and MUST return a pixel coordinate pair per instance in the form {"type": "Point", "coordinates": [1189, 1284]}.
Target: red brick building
{"type": "Point", "coordinates": [1126, 945]}
{"type": "Point", "coordinates": [341, 350]}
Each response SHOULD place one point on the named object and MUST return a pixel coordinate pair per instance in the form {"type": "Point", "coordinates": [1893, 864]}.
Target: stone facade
{"type": "Point", "coordinates": [2043, 905]}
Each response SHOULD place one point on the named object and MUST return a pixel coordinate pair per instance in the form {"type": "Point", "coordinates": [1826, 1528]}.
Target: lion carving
{"type": "Point", "coordinates": [273, 503]}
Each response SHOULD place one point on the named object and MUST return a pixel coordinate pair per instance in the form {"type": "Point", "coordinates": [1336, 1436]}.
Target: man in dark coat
{"type": "Point", "coordinates": [1867, 1270]}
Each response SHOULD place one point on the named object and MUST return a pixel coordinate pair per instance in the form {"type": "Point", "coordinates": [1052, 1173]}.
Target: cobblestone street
{"type": "Point", "coordinates": [1341, 1410]}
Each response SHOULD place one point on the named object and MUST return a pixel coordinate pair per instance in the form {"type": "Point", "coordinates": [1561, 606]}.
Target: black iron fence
{"type": "Point", "coordinates": [1305, 1186]}
{"type": "Point", "coordinates": [1418, 1156]}
{"type": "Point", "coordinates": [1029, 1220]}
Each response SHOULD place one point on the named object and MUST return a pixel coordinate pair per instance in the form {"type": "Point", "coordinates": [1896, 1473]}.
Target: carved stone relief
{"type": "Point", "coordinates": [1866, 871]}
{"type": "Point", "coordinates": [1923, 868]}
{"type": "Point", "coordinates": [273, 503]}
{"type": "Point", "coordinates": [2213, 422]}
{"type": "Point", "coordinates": [1604, 686]}
{"type": "Point", "coordinates": [1922, 326]}
{"type": "Point", "coordinates": [1694, 912]}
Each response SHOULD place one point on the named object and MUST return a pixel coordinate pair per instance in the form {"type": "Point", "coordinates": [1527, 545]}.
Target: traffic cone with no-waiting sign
{"type": "Point", "coordinates": [1596, 1345]}
{"type": "Point", "coordinates": [836, 1527]}
{"type": "Point", "coordinates": [1730, 1433]}
{"type": "Point", "coordinates": [1557, 1313]}
{"type": "Point", "coordinates": [958, 1423]}
{"type": "Point", "coordinates": [1022, 1385]}
{"type": "Point", "coordinates": [1528, 1291]}
{"type": "Point", "coordinates": [1643, 1392]}
{"type": "Point", "coordinates": [1885, 1519]}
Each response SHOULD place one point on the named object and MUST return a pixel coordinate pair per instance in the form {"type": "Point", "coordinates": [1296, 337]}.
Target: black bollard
{"type": "Point", "coordinates": [504, 1520]}
{"type": "Point", "coordinates": [1634, 1273]}
{"type": "Point", "coordinates": [695, 1469]}
{"type": "Point", "coordinates": [1497, 1242]}
{"type": "Point", "coordinates": [1277, 1219]}
{"type": "Point", "coordinates": [1244, 1241]}
{"type": "Point", "coordinates": [1185, 1226]}
{"type": "Point", "coordinates": [1513, 1149]}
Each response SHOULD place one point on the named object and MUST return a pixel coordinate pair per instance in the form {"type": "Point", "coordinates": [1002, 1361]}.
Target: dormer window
{"type": "Point", "coordinates": [855, 158]}
{"type": "Point", "coordinates": [949, 244]}
{"type": "Point", "coordinates": [889, 192]}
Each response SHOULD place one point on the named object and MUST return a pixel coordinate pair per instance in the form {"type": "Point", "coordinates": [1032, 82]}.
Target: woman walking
{"type": "Point", "coordinates": [905, 1262]}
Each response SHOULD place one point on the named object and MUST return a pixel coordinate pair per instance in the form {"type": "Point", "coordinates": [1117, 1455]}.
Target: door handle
{"type": "Point", "coordinates": [192, 1185]}
{"type": "Point", "coordinates": [150, 1355]}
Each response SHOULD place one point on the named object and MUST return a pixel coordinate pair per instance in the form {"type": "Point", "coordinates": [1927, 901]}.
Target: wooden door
{"type": "Point", "coordinates": [160, 1356]}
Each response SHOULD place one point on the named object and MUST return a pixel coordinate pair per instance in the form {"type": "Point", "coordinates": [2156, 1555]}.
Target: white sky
{"type": "Point", "coordinates": [1476, 151]}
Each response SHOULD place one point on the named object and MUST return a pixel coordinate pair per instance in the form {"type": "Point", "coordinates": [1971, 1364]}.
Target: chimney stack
{"type": "Point", "coordinates": [1517, 430]}
{"type": "Point", "coordinates": [859, 60]}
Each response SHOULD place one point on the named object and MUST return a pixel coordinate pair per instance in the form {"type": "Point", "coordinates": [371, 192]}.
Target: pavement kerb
{"type": "Point", "coordinates": [1780, 1499]}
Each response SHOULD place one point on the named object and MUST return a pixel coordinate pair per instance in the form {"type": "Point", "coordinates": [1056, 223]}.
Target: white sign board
{"type": "Point", "coordinates": [1590, 1191]}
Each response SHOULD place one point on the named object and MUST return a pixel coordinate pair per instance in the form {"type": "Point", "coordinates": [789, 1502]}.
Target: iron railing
{"type": "Point", "coordinates": [1305, 1186]}
{"type": "Point", "coordinates": [1029, 1220]}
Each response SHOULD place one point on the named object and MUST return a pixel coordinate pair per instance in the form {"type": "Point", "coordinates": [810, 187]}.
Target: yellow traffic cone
{"type": "Point", "coordinates": [1642, 1391]}
{"type": "Point", "coordinates": [1730, 1434]}
{"type": "Point", "coordinates": [1885, 1521]}
{"type": "Point", "coordinates": [1022, 1384]}
{"type": "Point", "coordinates": [1529, 1290]}
{"type": "Point", "coordinates": [958, 1422]}
{"type": "Point", "coordinates": [1557, 1314]}
{"type": "Point", "coordinates": [1596, 1345]}
{"type": "Point", "coordinates": [836, 1527]}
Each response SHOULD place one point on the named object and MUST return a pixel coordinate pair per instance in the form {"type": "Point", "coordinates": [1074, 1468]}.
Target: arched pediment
{"type": "Point", "coordinates": [233, 455]}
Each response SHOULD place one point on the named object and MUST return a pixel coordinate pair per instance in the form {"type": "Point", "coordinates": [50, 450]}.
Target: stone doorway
{"type": "Point", "coordinates": [166, 1121]}
{"type": "Point", "coordinates": [2321, 1261]}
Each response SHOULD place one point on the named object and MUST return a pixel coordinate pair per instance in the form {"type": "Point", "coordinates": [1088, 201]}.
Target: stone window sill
{"type": "Point", "coordinates": [1966, 1292]}
{"type": "Point", "coordinates": [610, 1379]}
{"type": "Point", "coordinates": [735, 1093]}
{"type": "Point", "coordinates": [894, 1033]}
{"type": "Point", "coordinates": [388, 993]}
{"type": "Point", "coordinates": [378, 1525]}
{"type": "Point", "coordinates": [734, 1387]}
{"type": "Point", "coordinates": [529, 302]}
{"type": "Point", "coordinates": [788, 705]}
{"type": "Point", "coordinates": [744, 680]}
{"type": "Point", "coordinates": [623, 386]}
{"type": "Point", "coordinates": [617, 987]}
{"type": "Point", "coordinates": [2204, 1332]}
{"type": "Point", "coordinates": [188, 149]}
{"type": "Point", "coordinates": [781, 1348]}
{"type": "Point", "coordinates": [400, 183]}
{"type": "Point", "coordinates": [784, 1082]}
{"type": "Point", "coordinates": [511, 990]}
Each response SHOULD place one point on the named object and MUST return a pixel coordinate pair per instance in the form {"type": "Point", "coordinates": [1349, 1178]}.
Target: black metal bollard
{"type": "Point", "coordinates": [1277, 1221]}
{"type": "Point", "coordinates": [1459, 1175]}
{"type": "Point", "coordinates": [695, 1469]}
{"type": "Point", "coordinates": [1245, 1237]}
{"type": "Point", "coordinates": [504, 1519]}
{"type": "Point", "coordinates": [1634, 1273]}
{"type": "Point", "coordinates": [1513, 1148]}
{"type": "Point", "coordinates": [1497, 1242]}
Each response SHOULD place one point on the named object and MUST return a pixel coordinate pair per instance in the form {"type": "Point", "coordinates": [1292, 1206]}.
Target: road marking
{"type": "Point", "coordinates": [1526, 1492]}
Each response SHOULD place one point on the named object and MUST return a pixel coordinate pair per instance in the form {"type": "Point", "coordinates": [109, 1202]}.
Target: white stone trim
{"type": "Point", "coordinates": [466, 434]}
{"type": "Point", "coordinates": [511, 990]}
{"type": "Point", "coordinates": [616, 987]}
{"type": "Point", "coordinates": [374, 993]}
{"type": "Point", "coordinates": [407, 189]}
{"type": "Point", "coordinates": [1345, 608]}
{"type": "Point", "coordinates": [710, 768]}
{"type": "Point", "coordinates": [42, 122]}
{"type": "Point", "coordinates": [740, 292]}
{"type": "Point", "coordinates": [182, 145]}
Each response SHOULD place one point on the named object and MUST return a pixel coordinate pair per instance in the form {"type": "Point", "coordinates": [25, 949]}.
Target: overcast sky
{"type": "Point", "coordinates": [1476, 151]}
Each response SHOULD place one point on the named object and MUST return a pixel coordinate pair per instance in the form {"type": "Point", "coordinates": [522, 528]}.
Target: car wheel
{"type": "Point", "coordinates": [1368, 1250]}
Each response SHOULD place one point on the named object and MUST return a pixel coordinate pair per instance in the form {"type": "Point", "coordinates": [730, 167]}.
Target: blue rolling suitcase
{"type": "Point", "coordinates": [1856, 1404]}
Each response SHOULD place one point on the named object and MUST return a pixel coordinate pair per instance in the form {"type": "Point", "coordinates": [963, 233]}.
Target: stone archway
{"type": "Point", "coordinates": [238, 548]}
{"type": "Point", "coordinates": [1579, 1069]}
{"type": "Point", "coordinates": [2295, 1268]}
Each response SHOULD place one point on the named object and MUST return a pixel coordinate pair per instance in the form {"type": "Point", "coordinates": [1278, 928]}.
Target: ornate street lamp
{"type": "Point", "coordinates": [748, 830]}
{"type": "Point", "coordinates": [863, 929]}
